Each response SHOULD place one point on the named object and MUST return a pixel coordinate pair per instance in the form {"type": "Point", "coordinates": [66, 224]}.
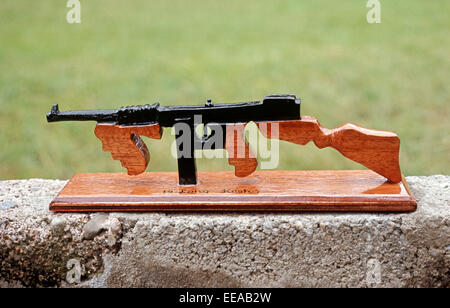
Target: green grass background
{"type": "Point", "coordinates": [388, 76]}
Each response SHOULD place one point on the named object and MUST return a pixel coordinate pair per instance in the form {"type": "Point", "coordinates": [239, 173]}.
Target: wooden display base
{"type": "Point", "coordinates": [321, 190]}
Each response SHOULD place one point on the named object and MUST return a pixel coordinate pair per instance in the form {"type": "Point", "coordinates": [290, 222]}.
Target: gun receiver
{"type": "Point", "coordinates": [120, 130]}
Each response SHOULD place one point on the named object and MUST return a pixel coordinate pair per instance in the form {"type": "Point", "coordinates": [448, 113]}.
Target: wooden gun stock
{"type": "Point", "coordinates": [376, 150]}
{"type": "Point", "coordinates": [125, 144]}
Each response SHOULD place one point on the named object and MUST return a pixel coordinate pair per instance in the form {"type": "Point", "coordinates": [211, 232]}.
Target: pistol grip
{"type": "Point", "coordinates": [126, 145]}
{"type": "Point", "coordinates": [239, 154]}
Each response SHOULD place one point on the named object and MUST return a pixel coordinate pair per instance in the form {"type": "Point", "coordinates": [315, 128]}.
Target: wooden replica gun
{"type": "Point", "coordinates": [120, 130]}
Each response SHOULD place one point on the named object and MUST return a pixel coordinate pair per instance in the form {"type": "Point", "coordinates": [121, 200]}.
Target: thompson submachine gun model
{"type": "Point", "coordinates": [119, 132]}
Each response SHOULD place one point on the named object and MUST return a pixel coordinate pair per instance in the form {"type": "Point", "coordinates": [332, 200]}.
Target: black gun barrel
{"type": "Point", "coordinates": [102, 116]}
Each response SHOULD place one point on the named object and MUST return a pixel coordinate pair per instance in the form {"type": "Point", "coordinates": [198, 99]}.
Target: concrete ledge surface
{"type": "Point", "coordinates": [40, 248]}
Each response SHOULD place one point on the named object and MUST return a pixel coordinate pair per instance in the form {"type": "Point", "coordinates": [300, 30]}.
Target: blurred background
{"type": "Point", "coordinates": [388, 76]}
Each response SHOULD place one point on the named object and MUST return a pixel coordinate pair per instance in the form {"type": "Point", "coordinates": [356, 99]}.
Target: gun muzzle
{"type": "Point", "coordinates": [52, 116]}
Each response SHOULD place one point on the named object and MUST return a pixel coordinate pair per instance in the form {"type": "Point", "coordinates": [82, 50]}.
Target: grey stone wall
{"type": "Point", "coordinates": [40, 248]}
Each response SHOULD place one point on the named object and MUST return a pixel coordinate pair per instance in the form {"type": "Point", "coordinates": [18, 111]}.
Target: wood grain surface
{"type": "Point", "coordinates": [239, 153]}
{"type": "Point", "coordinates": [320, 190]}
{"type": "Point", "coordinates": [125, 144]}
{"type": "Point", "coordinates": [374, 149]}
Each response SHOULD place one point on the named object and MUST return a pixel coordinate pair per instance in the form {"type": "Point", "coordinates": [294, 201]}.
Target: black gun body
{"type": "Point", "coordinates": [272, 108]}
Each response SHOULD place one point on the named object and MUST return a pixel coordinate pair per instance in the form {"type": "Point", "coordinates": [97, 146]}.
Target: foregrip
{"type": "Point", "coordinates": [125, 144]}
{"type": "Point", "coordinates": [376, 150]}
